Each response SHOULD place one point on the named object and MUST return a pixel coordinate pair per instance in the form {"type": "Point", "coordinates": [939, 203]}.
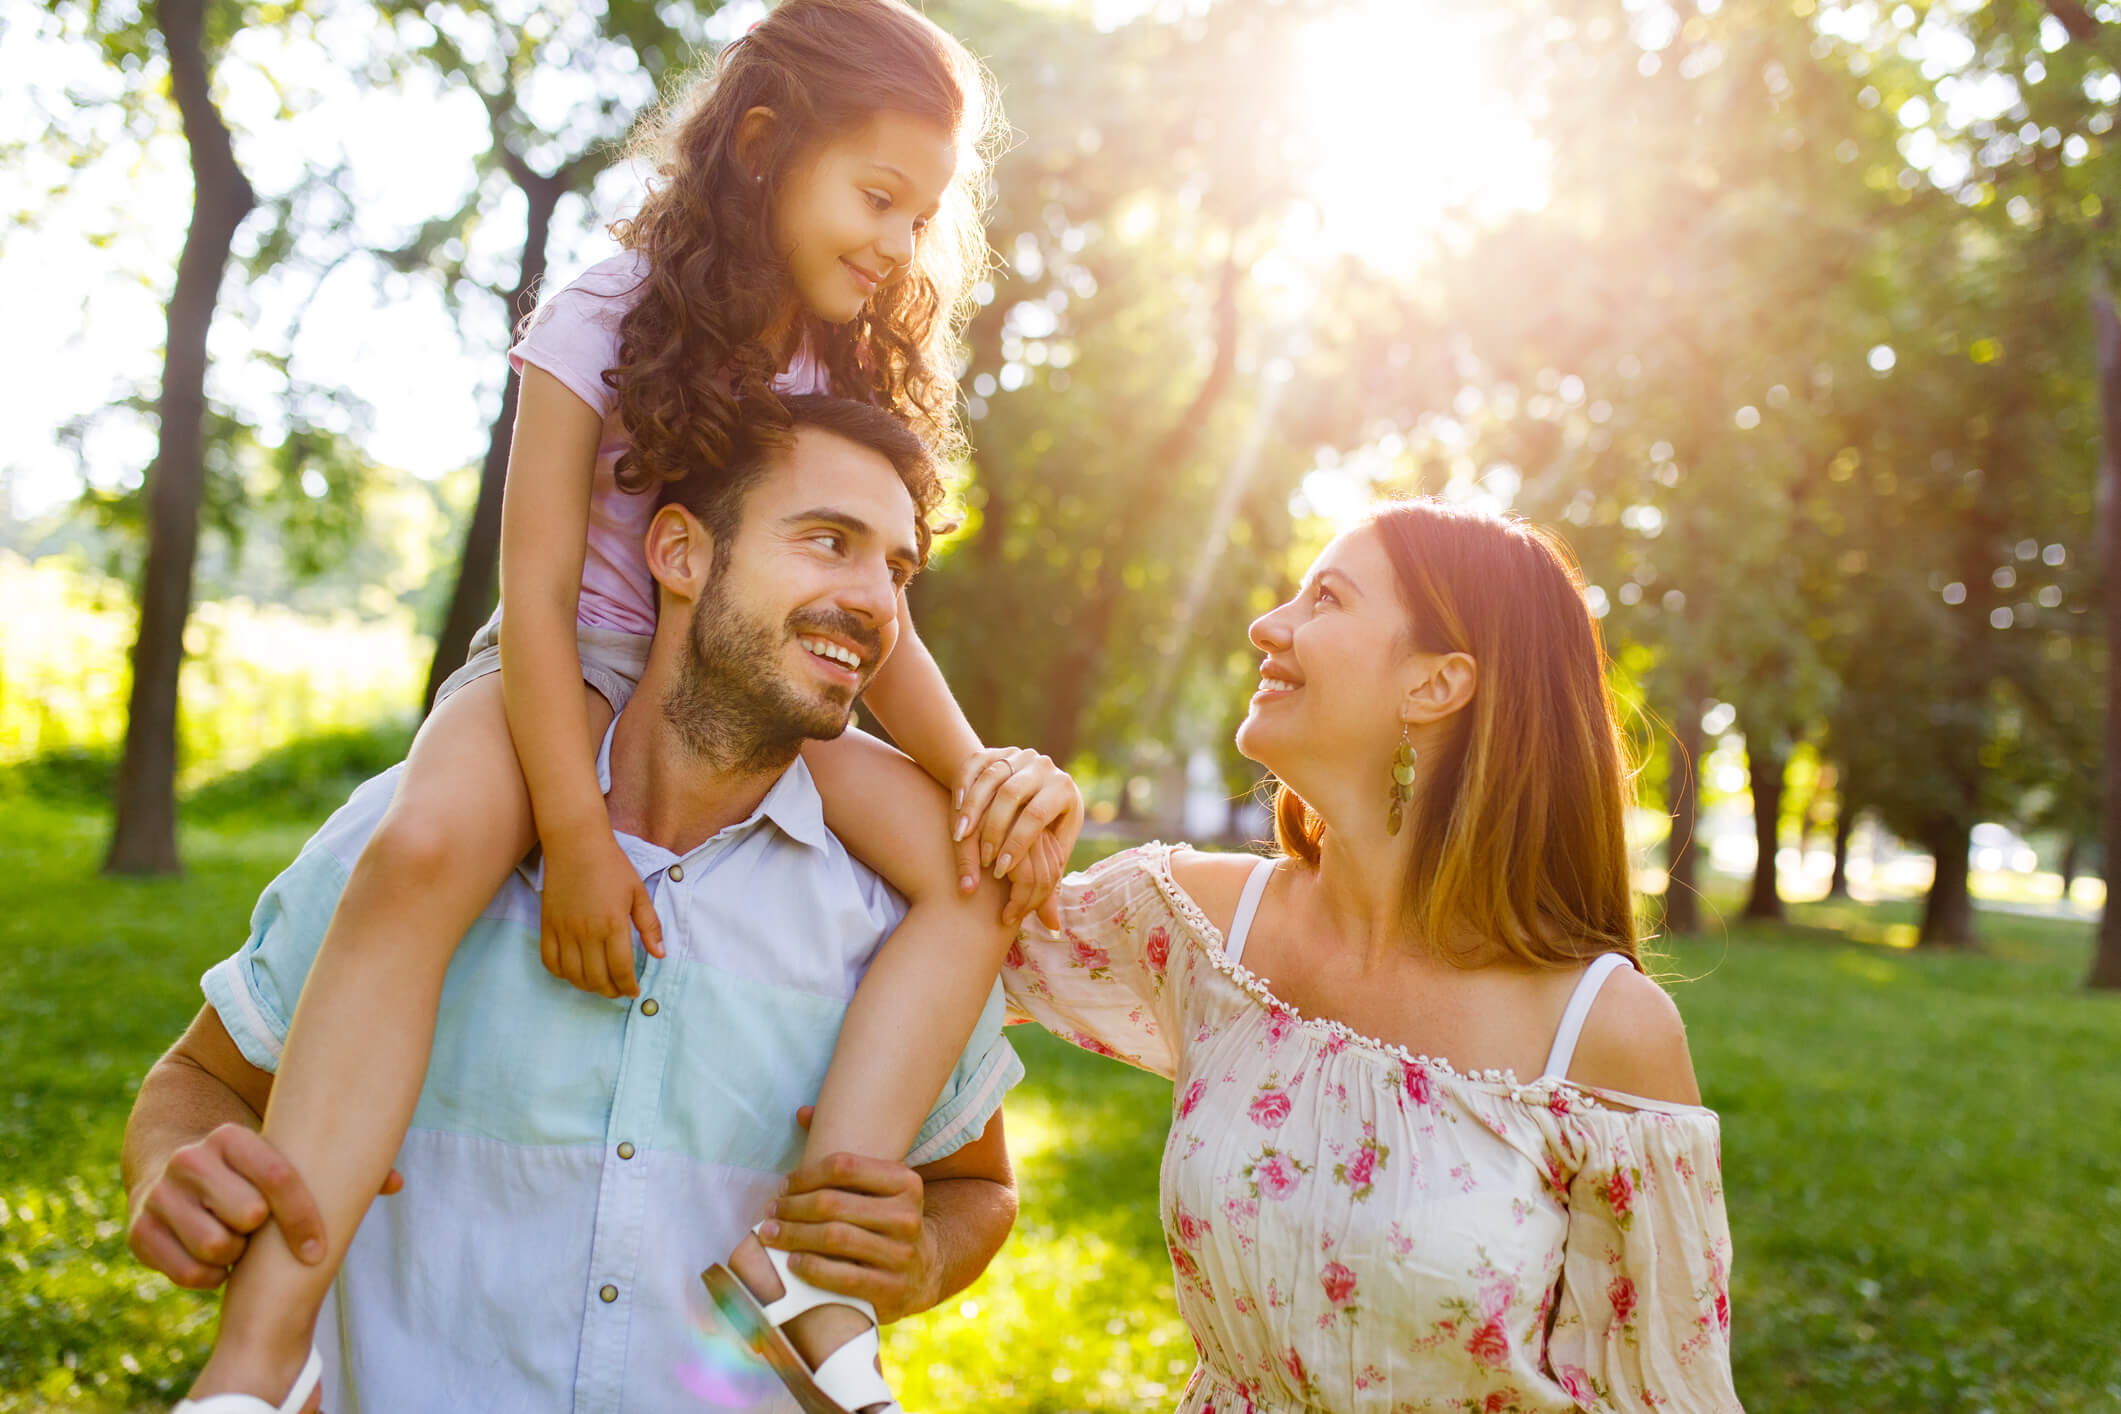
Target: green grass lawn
{"type": "Point", "coordinates": [1923, 1157]}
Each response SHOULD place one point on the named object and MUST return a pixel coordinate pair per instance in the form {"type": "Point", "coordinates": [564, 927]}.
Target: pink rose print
{"type": "Point", "coordinates": [1339, 1283]}
{"type": "Point", "coordinates": [1192, 1098]}
{"type": "Point", "coordinates": [1190, 1228]}
{"type": "Point", "coordinates": [1498, 1401]}
{"type": "Point", "coordinates": [1558, 1102]}
{"type": "Point", "coordinates": [1015, 958]}
{"type": "Point", "coordinates": [1490, 1344]}
{"type": "Point", "coordinates": [1270, 1109]}
{"type": "Point", "coordinates": [1275, 1177]}
{"type": "Point", "coordinates": [1093, 1045]}
{"type": "Point", "coordinates": [1420, 1088]}
{"type": "Point", "coordinates": [1622, 1294]}
{"type": "Point", "coordinates": [1280, 1022]}
{"type": "Point", "coordinates": [1723, 1310]}
{"type": "Point", "coordinates": [1086, 955]}
{"type": "Point", "coordinates": [1576, 1384]}
{"type": "Point", "coordinates": [1361, 1172]}
{"type": "Point", "coordinates": [1158, 948]}
{"type": "Point", "coordinates": [1620, 1193]}
{"type": "Point", "coordinates": [1294, 1364]}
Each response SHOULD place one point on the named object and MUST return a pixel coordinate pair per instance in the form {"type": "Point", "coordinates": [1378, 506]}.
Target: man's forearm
{"type": "Point", "coordinates": [180, 1103]}
{"type": "Point", "coordinates": [966, 1221]}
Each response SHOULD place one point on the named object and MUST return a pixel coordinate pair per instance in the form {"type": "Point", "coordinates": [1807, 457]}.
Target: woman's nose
{"type": "Point", "coordinates": [1267, 633]}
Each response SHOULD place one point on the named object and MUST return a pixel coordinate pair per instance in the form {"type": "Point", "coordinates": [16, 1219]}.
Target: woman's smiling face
{"type": "Point", "coordinates": [1335, 667]}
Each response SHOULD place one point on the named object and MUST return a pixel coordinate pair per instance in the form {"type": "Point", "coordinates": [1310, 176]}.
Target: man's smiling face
{"type": "Point", "coordinates": [802, 608]}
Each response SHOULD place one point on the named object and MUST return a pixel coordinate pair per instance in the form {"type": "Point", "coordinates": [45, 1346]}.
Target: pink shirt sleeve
{"type": "Point", "coordinates": [574, 336]}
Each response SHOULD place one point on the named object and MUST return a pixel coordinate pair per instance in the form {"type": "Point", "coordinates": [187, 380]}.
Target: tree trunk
{"type": "Point", "coordinates": [144, 834]}
{"type": "Point", "coordinates": [1844, 827]}
{"type": "Point", "coordinates": [2106, 960]}
{"type": "Point", "coordinates": [2071, 864]}
{"type": "Point", "coordinates": [478, 568]}
{"type": "Point", "coordinates": [1948, 912]}
{"type": "Point", "coordinates": [1682, 901]}
{"type": "Point", "coordinates": [1765, 765]}
{"type": "Point", "coordinates": [1075, 668]}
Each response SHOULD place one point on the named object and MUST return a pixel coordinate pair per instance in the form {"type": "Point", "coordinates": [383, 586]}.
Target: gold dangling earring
{"type": "Point", "coordinates": [1402, 781]}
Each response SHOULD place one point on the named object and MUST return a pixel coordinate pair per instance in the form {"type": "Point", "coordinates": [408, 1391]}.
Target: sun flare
{"type": "Point", "coordinates": [1413, 126]}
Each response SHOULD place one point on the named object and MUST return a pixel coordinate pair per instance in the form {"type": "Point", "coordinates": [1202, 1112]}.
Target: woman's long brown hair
{"type": "Point", "coordinates": [1519, 818]}
{"type": "Point", "coordinates": [690, 352]}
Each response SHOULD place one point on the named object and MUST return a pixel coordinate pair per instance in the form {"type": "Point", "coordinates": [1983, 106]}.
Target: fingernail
{"type": "Point", "coordinates": [773, 1208]}
{"type": "Point", "coordinates": [769, 1229]}
{"type": "Point", "coordinates": [957, 802]}
{"type": "Point", "coordinates": [312, 1251]}
{"type": "Point", "coordinates": [986, 856]}
{"type": "Point", "coordinates": [963, 824]}
{"type": "Point", "coordinates": [967, 884]}
{"type": "Point", "coordinates": [783, 1189]}
{"type": "Point", "coordinates": [1001, 866]}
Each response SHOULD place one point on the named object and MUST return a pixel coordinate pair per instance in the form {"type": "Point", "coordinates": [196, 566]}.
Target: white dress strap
{"type": "Point", "coordinates": [1247, 905]}
{"type": "Point", "coordinates": [1602, 967]}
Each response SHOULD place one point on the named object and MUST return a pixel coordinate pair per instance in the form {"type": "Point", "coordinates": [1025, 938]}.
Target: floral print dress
{"type": "Point", "coordinates": [1355, 1228]}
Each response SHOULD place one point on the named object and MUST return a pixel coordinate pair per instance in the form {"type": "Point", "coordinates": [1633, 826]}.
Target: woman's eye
{"type": "Point", "coordinates": [881, 201]}
{"type": "Point", "coordinates": [1323, 595]}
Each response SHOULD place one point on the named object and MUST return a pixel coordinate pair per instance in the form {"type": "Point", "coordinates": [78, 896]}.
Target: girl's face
{"type": "Point", "coordinates": [1337, 667]}
{"type": "Point", "coordinates": [849, 216]}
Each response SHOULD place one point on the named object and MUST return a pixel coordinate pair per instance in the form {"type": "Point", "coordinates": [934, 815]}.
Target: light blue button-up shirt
{"type": "Point", "coordinates": [575, 1161]}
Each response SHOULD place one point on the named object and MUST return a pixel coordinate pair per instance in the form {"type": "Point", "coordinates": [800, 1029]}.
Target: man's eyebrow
{"type": "Point", "coordinates": [828, 515]}
{"type": "Point", "coordinates": [900, 554]}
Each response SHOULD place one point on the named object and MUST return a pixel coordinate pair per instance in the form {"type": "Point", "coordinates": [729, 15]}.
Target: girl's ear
{"type": "Point", "coordinates": [754, 133]}
{"type": "Point", "coordinates": [680, 552]}
{"type": "Point", "coordinates": [1447, 683]}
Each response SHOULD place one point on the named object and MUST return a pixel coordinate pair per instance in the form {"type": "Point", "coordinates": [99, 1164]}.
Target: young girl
{"type": "Point", "coordinates": [815, 227]}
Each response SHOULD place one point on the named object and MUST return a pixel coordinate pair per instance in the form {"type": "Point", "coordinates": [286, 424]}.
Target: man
{"type": "Point", "coordinates": [576, 1160]}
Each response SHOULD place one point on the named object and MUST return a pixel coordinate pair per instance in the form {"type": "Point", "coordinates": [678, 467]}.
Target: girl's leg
{"type": "Point", "coordinates": [358, 1048]}
{"type": "Point", "coordinates": [908, 1022]}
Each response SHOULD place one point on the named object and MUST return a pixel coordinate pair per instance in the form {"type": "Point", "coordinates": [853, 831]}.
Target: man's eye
{"type": "Point", "coordinates": [830, 539]}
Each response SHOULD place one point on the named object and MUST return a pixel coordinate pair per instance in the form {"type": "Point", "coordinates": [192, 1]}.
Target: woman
{"type": "Point", "coordinates": [1452, 1156]}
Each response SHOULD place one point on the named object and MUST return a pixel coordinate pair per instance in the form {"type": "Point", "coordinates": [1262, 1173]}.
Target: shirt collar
{"type": "Point", "coordinates": [792, 804]}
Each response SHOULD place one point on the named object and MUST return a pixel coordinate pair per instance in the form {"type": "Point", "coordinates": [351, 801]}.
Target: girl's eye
{"type": "Point", "coordinates": [881, 201]}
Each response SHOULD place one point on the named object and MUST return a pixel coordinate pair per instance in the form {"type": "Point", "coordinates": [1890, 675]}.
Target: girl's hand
{"type": "Point", "coordinates": [1018, 814]}
{"type": "Point", "coordinates": [593, 902]}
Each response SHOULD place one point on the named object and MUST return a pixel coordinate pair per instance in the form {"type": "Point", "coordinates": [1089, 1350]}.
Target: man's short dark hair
{"type": "Point", "coordinates": [715, 494]}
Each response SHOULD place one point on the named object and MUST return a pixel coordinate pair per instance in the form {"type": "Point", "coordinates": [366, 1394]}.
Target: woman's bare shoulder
{"type": "Point", "coordinates": [1212, 879]}
{"type": "Point", "coordinates": [1634, 1042]}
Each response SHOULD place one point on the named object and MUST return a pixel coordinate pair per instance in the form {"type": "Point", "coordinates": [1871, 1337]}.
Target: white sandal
{"type": "Point", "coordinates": [844, 1381]}
{"type": "Point", "coordinates": [305, 1384]}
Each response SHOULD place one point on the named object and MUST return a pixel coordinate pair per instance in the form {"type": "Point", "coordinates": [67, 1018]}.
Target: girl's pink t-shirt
{"type": "Point", "coordinates": [575, 337]}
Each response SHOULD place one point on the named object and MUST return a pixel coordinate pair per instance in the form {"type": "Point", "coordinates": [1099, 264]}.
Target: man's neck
{"type": "Point", "coordinates": [662, 791]}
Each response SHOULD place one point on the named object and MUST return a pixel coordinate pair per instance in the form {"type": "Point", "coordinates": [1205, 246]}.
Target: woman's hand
{"type": "Point", "coordinates": [1018, 814]}
{"type": "Point", "coordinates": [593, 901]}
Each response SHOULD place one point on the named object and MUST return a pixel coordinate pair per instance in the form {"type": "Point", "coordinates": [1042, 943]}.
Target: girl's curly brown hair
{"type": "Point", "coordinates": [691, 352]}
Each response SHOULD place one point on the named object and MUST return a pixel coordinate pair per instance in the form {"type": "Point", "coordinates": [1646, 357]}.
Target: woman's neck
{"type": "Point", "coordinates": [1361, 884]}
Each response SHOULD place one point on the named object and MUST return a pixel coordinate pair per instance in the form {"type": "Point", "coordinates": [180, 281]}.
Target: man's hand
{"type": "Point", "coordinates": [855, 1225]}
{"type": "Point", "coordinates": [195, 1219]}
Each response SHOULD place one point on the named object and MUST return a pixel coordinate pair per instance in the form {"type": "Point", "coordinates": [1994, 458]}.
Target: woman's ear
{"type": "Point", "coordinates": [680, 552]}
{"type": "Point", "coordinates": [754, 132]}
{"type": "Point", "coordinates": [1447, 684]}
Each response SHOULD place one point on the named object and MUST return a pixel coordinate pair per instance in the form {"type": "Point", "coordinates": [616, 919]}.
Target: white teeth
{"type": "Point", "coordinates": [1270, 685]}
{"type": "Point", "coordinates": [845, 656]}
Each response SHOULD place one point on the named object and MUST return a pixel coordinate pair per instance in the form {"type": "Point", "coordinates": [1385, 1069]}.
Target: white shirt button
{"type": "Point", "coordinates": [625, 1151]}
{"type": "Point", "coordinates": [649, 1008]}
{"type": "Point", "coordinates": [677, 873]}
{"type": "Point", "coordinates": [608, 1294]}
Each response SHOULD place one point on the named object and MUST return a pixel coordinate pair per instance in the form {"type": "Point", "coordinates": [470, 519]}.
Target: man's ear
{"type": "Point", "coordinates": [680, 552]}
{"type": "Point", "coordinates": [1446, 685]}
{"type": "Point", "coordinates": [754, 131]}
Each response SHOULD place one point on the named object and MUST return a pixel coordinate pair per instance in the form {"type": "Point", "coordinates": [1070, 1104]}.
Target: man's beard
{"type": "Point", "coordinates": [732, 705]}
